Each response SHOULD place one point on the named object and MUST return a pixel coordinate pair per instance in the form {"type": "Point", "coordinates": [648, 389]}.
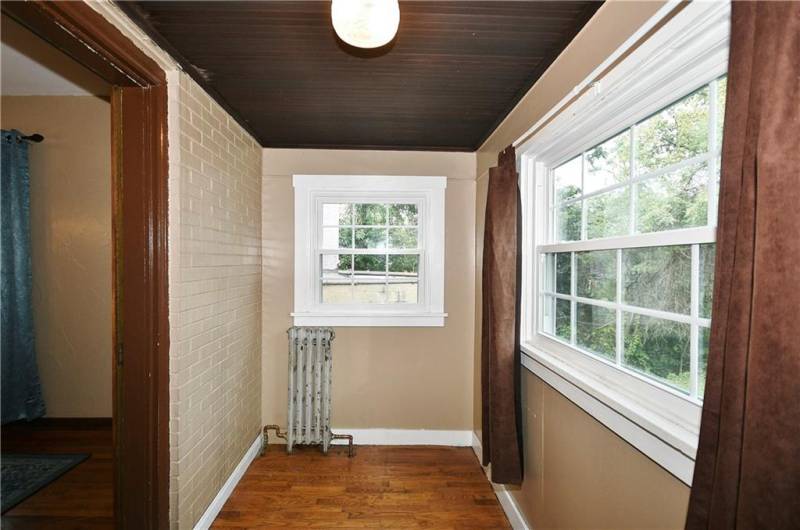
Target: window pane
{"type": "Point", "coordinates": [404, 264]}
{"type": "Point", "coordinates": [337, 237]}
{"type": "Point", "coordinates": [548, 314]}
{"type": "Point", "coordinates": [563, 319]}
{"type": "Point", "coordinates": [402, 238]}
{"type": "Point", "coordinates": [722, 89]}
{"type": "Point", "coordinates": [705, 334]}
{"type": "Point", "coordinates": [369, 263]}
{"type": "Point", "coordinates": [337, 214]}
{"type": "Point", "coordinates": [403, 214]}
{"type": "Point", "coordinates": [658, 277]}
{"type": "Point", "coordinates": [609, 163]}
{"type": "Point", "coordinates": [569, 222]}
{"type": "Point", "coordinates": [567, 179]}
{"type": "Point", "coordinates": [370, 238]}
{"type": "Point", "coordinates": [658, 348]}
{"type": "Point", "coordinates": [370, 214]}
{"type": "Point", "coordinates": [369, 279]}
{"type": "Point", "coordinates": [608, 214]}
{"type": "Point", "coordinates": [706, 278]}
{"type": "Point", "coordinates": [403, 279]}
{"type": "Point", "coordinates": [549, 283]}
{"type": "Point", "coordinates": [596, 274]}
{"type": "Point", "coordinates": [558, 273]}
{"type": "Point", "coordinates": [369, 291]}
{"type": "Point", "coordinates": [597, 329]}
{"type": "Point", "coordinates": [676, 133]}
{"type": "Point", "coordinates": [674, 200]}
{"type": "Point", "coordinates": [336, 278]}
{"type": "Point", "coordinates": [563, 273]}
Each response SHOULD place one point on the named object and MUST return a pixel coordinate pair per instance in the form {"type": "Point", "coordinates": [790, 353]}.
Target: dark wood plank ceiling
{"type": "Point", "coordinates": [445, 82]}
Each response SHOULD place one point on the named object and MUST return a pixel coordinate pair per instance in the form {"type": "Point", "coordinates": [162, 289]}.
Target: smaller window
{"type": "Point", "coordinates": [369, 250]}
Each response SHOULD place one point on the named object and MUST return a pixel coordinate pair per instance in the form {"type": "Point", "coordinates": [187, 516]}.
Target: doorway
{"type": "Point", "coordinates": [139, 342]}
{"type": "Point", "coordinates": [57, 444]}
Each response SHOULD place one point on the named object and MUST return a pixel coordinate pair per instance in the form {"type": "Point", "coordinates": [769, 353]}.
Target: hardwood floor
{"type": "Point", "coordinates": [381, 487]}
{"type": "Point", "coordinates": [82, 498]}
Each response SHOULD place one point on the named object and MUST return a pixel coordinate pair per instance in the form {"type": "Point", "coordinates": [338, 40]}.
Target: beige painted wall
{"type": "Point", "coordinates": [70, 247]}
{"type": "Point", "coordinates": [578, 474]}
{"type": "Point", "coordinates": [404, 378]}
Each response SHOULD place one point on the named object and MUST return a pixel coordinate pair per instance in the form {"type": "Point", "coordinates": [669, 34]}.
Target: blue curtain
{"type": "Point", "coordinates": [21, 390]}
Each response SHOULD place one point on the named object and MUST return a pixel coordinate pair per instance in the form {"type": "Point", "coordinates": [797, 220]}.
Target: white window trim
{"type": "Point", "coordinates": [689, 50]}
{"type": "Point", "coordinates": [427, 192]}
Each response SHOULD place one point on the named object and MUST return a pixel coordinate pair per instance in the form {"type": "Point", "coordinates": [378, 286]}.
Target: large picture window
{"type": "Point", "coordinates": [624, 276]}
{"type": "Point", "coordinates": [619, 186]}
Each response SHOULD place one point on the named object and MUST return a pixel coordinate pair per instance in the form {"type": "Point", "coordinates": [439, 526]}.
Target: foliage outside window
{"type": "Point", "coordinates": [645, 308]}
{"type": "Point", "coordinates": [370, 253]}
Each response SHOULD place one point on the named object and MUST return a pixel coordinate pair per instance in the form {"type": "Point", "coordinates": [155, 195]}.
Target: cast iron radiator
{"type": "Point", "coordinates": [309, 403]}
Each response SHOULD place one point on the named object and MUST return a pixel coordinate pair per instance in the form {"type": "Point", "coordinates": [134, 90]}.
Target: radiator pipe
{"type": "Point", "coordinates": [278, 434]}
{"type": "Point", "coordinates": [349, 437]}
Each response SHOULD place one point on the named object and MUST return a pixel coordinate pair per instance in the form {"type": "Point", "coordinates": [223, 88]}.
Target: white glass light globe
{"type": "Point", "coordinates": [365, 23]}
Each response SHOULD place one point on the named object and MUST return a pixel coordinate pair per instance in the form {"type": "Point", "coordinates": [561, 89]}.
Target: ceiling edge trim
{"type": "Point", "coordinates": [139, 18]}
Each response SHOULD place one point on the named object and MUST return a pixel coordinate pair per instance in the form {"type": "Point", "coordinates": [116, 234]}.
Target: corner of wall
{"type": "Point", "coordinates": [214, 285]}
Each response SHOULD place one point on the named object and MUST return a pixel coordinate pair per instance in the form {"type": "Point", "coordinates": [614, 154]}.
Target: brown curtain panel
{"type": "Point", "coordinates": [747, 473]}
{"type": "Point", "coordinates": [500, 353]}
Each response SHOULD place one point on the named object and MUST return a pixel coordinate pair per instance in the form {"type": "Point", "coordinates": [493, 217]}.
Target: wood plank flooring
{"type": "Point", "coordinates": [82, 498]}
{"type": "Point", "coordinates": [381, 487]}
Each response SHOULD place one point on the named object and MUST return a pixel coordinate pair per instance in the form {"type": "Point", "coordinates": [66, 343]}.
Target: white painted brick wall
{"type": "Point", "coordinates": [215, 286]}
{"type": "Point", "coordinates": [215, 300]}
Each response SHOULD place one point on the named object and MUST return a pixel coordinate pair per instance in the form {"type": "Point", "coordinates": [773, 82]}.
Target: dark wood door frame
{"type": "Point", "coordinates": [141, 326]}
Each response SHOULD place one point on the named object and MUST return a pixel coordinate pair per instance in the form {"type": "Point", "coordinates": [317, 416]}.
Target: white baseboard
{"type": "Point", "coordinates": [216, 505]}
{"type": "Point", "coordinates": [406, 437]}
{"type": "Point", "coordinates": [477, 447]}
{"type": "Point", "coordinates": [507, 501]}
{"type": "Point", "coordinates": [511, 508]}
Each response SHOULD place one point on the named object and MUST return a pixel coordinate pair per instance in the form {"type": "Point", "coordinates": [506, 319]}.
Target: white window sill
{"type": "Point", "coordinates": [668, 444]}
{"type": "Point", "coordinates": [375, 319]}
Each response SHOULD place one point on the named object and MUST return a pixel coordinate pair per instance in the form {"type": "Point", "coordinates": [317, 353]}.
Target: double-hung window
{"type": "Point", "coordinates": [627, 274]}
{"type": "Point", "coordinates": [369, 250]}
{"type": "Point", "coordinates": [619, 210]}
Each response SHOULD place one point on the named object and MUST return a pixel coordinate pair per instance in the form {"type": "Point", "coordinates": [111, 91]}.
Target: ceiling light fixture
{"type": "Point", "coordinates": [365, 23]}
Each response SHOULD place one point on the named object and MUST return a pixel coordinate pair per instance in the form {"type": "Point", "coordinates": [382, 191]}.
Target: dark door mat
{"type": "Point", "coordinates": [22, 475]}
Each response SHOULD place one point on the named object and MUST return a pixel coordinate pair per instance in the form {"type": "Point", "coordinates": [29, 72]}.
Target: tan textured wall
{"type": "Point", "coordinates": [403, 378]}
{"type": "Point", "coordinates": [215, 300]}
{"type": "Point", "coordinates": [578, 474]}
{"type": "Point", "coordinates": [70, 247]}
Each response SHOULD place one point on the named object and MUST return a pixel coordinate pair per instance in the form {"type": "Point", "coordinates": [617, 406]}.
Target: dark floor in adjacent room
{"type": "Point", "coordinates": [83, 497]}
{"type": "Point", "coordinates": [381, 487]}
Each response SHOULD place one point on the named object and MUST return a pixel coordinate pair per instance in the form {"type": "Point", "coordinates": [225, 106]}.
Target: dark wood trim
{"type": "Point", "coordinates": [83, 34]}
{"type": "Point", "coordinates": [57, 424]}
{"type": "Point", "coordinates": [370, 147]}
{"type": "Point", "coordinates": [140, 173]}
{"type": "Point", "coordinates": [138, 126]}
